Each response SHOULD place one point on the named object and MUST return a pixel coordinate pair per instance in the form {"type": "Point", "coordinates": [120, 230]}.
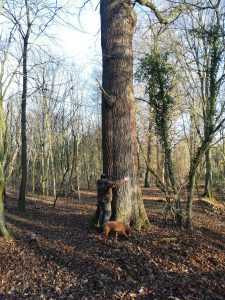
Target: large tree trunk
{"type": "Point", "coordinates": [118, 110]}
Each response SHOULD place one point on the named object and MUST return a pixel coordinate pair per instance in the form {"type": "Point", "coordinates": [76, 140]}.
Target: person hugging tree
{"type": "Point", "coordinates": [104, 196]}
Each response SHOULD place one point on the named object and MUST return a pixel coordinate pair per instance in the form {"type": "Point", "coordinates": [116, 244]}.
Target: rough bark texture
{"type": "Point", "coordinates": [118, 110]}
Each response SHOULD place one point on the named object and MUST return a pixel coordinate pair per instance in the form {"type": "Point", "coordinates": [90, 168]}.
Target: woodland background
{"type": "Point", "coordinates": [51, 154]}
{"type": "Point", "coordinates": [63, 114]}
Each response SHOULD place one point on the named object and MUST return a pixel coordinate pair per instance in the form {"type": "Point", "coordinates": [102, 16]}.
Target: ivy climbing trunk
{"type": "Point", "coordinates": [118, 21]}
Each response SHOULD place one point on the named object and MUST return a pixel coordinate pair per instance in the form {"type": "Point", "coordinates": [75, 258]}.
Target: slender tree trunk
{"type": "Point", "coordinates": [169, 172]}
{"type": "Point", "coordinates": [118, 110]}
{"type": "Point", "coordinates": [47, 174]}
{"type": "Point", "coordinates": [223, 155]}
{"type": "Point", "coordinates": [33, 173]}
{"type": "Point", "coordinates": [166, 145]}
{"type": "Point", "coordinates": [48, 135]}
{"type": "Point", "coordinates": [65, 172]}
{"type": "Point", "coordinates": [77, 165]}
{"type": "Point", "coordinates": [43, 172]}
{"type": "Point", "coordinates": [48, 159]}
{"type": "Point", "coordinates": [196, 160]}
{"type": "Point", "coordinates": [160, 162]}
{"type": "Point", "coordinates": [23, 184]}
{"type": "Point", "coordinates": [191, 187]}
{"type": "Point", "coordinates": [11, 165]}
{"type": "Point", "coordinates": [3, 231]}
{"type": "Point", "coordinates": [87, 175]}
{"type": "Point", "coordinates": [208, 174]}
{"type": "Point", "coordinates": [149, 149]}
{"type": "Point", "coordinates": [51, 158]}
{"type": "Point", "coordinates": [193, 137]}
{"type": "Point", "coordinates": [139, 164]}
{"type": "Point", "coordinates": [53, 171]}
{"type": "Point", "coordinates": [147, 178]}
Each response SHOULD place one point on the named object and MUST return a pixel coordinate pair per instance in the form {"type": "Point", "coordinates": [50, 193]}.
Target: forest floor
{"type": "Point", "coordinates": [69, 260]}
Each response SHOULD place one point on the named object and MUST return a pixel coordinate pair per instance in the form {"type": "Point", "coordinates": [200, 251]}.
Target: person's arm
{"type": "Point", "coordinates": [117, 183]}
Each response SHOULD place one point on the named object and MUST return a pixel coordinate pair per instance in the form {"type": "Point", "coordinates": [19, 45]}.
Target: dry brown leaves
{"type": "Point", "coordinates": [68, 260]}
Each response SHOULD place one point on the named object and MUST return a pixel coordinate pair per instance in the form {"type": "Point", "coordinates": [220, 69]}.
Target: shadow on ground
{"type": "Point", "coordinates": [69, 260]}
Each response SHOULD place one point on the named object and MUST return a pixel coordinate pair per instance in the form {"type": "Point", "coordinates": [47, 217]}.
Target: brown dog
{"type": "Point", "coordinates": [117, 227]}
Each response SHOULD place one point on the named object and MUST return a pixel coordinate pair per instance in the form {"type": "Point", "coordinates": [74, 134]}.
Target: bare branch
{"type": "Point", "coordinates": [163, 20]}
{"type": "Point", "coordinates": [144, 100]}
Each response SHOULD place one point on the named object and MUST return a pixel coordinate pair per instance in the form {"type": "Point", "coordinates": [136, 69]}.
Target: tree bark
{"type": "Point", "coordinates": [51, 156]}
{"type": "Point", "coordinates": [23, 184]}
{"type": "Point", "coordinates": [208, 174]}
{"type": "Point", "coordinates": [196, 160]}
{"type": "Point", "coordinates": [75, 166]}
{"type": "Point", "coordinates": [3, 231]}
{"type": "Point", "coordinates": [33, 172]}
{"type": "Point", "coordinates": [43, 169]}
{"type": "Point", "coordinates": [190, 195]}
{"type": "Point", "coordinates": [118, 110]}
{"type": "Point", "coordinates": [147, 177]}
{"type": "Point", "coordinates": [149, 149]}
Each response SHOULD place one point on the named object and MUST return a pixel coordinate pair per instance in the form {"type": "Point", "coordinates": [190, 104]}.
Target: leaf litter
{"type": "Point", "coordinates": [54, 254]}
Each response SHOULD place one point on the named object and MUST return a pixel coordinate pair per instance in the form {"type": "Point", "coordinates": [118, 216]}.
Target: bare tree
{"type": "Point", "coordinates": [5, 82]}
{"type": "Point", "coordinates": [205, 35]}
{"type": "Point", "coordinates": [31, 18]}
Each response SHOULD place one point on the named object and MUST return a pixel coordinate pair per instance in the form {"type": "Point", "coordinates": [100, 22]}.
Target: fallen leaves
{"type": "Point", "coordinates": [55, 255]}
